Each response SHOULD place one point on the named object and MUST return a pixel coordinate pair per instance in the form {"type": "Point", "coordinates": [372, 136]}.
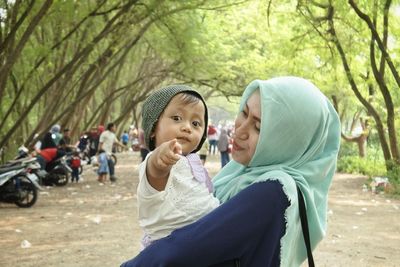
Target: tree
{"type": "Point", "coordinates": [346, 30]}
{"type": "Point", "coordinates": [56, 57]}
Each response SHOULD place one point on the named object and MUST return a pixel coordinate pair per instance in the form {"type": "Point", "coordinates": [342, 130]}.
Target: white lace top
{"type": "Point", "coordinates": [184, 200]}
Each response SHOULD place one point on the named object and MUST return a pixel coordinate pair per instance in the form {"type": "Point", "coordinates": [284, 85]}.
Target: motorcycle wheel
{"type": "Point", "coordinates": [29, 191]}
{"type": "Point", "coordinates": [114, 159]}
{"type": "Point", "coordinates": [61, 177]}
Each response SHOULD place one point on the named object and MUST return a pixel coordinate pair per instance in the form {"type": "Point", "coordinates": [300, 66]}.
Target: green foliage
{"type": "Point", "coordinates": [365, 166]}
{"type": "Point", "coordinates": [347, 149]}
{"type": "Point", "coordinates": [372, 166]}
{"type": "Point", "coordinates": [350, 162]}
{"type": "Point", "coordinates": [394, 177]}
{"type": "Point", "coordinates": [213, 45]}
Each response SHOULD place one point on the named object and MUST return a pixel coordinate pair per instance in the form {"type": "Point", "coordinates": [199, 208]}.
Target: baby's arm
{"type": "Point", "coordinates": [160, 163]}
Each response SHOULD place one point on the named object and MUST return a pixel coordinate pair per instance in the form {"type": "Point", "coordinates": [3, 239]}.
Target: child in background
{"type": "Point", "coordinates": [103, 166]}
{"type": "Point", "coordinates": [75, 164]}
{"type": "Point", "coordinates": [125, 139]}
{"type": "Point", "coordinates": [174, 188]}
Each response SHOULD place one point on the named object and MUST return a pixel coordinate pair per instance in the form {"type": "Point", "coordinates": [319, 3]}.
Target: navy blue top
{"type": "Point", "coordinates": [245, 229]}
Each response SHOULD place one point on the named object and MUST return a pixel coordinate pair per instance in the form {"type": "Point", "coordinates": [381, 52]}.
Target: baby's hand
{"type": "Point", "coordinates": [168, 153]}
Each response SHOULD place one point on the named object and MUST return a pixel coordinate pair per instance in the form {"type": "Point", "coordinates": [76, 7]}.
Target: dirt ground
{"type": "Point", "coordinates": [90, 224]}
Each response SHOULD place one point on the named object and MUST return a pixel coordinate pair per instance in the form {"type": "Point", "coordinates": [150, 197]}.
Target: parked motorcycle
{"type": "Point", "coordinates": [18, 184]}
{"type": "Point", "coordinates": [58, 172]}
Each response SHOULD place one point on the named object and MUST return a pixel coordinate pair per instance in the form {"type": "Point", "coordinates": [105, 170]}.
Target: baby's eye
{"type": "Point", "coordinates": [176, 118]}
{"type": "Point", "coordinates": [196, 124]}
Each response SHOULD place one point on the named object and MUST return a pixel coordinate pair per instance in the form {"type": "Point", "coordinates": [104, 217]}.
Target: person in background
{"type": "Point", "coordinates": [51, 139]}
{"type": "Point", "coordinates": [83, 141]}
{"type": "Point", "coordinates": [57, 136]}
{"type": "Point", "coordinates": [223, 146]}
{"type": "Point", "coordinates": [142, 145]}
{"type": "Point", "coordinates": [212, 138]}
{"type": "Point", "coordinates": [125, 138]}
{"type": "Point", "coordinates": [94, 137]}
{"type": "Point", "coordinates": [103, 166]}
{"type": "Point", "coordinates": [75, 164]}
{"type": "Point", "coordinates": [106, 141]}
{"type": "Point", "coordinates": [47, 155]}
{"type": "Point", "coordinates": [285, 147]}
{"type": "Point", "coordinates": [66, 141]}
{"type": "Point", "coordinates": [133, 133]}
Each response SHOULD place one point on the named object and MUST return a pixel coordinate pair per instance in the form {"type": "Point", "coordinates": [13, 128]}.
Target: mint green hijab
{"type": "Point", "coordinates": [298, 145]}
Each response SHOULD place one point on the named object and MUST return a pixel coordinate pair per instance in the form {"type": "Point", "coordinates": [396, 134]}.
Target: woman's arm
{"type": "Point", "coordinates": [231, 231]}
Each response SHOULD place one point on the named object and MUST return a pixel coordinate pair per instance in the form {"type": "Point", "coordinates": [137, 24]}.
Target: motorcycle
{"type": "Point", "coordinates": [18, 184]}
{"type": "Point", "coordinates": [58, 172]}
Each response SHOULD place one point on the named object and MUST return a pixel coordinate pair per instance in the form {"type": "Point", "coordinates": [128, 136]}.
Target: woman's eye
{"type": "Point", "coordinates": [258, 127]}
{"type": "Point", "coordinates": [244, 113]}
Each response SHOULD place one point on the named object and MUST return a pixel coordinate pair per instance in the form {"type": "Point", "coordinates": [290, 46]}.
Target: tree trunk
{"type": "Point", "coordinates": [13, 54]}
{"type": "Point", "coordinates": [367, 105]}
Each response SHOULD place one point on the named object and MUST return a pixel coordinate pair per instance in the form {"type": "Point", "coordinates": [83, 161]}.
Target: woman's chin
{"type": "Point", "coordinates": [239, 157]}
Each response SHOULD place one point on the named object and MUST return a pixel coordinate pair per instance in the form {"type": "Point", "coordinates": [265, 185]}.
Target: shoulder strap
{"type": "Point", "coordinates": [304, 226]}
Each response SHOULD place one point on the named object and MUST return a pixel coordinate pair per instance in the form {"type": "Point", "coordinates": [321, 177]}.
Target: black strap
{"type": "Point", "coordinates": [304, 226]}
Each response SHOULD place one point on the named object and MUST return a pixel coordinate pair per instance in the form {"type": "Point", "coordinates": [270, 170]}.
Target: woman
{"type": "Point", "coordinates": [287, 136]}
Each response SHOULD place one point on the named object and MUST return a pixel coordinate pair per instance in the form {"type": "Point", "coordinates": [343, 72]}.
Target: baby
{"type": "Point", "coordinates": [174, 188]}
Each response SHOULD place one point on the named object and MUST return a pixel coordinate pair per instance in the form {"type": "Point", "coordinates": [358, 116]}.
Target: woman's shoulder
{"type": "Point", "coordinates": [270, 192]}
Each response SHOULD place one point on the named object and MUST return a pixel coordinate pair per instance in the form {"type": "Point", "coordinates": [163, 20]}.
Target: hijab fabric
{"type": "Point", "coordinates": [298, 145]}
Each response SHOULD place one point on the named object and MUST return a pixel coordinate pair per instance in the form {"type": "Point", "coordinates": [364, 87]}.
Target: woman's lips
{"type": "Point", "coordinates": [236, 147]}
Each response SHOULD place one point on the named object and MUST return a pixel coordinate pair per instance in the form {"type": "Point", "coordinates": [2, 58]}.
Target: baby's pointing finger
{"type": "Point", "coordinates": [175, 146]}
{"type": "Point", "coordinates": [173, 156]}
{"type": "Point", "coordinates": [178, 148]}
{"type": "Point", "coordinates": [172, 144]}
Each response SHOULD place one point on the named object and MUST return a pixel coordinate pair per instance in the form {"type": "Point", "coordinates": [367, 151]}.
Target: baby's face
{"type": "Point", "coordinates": [183, 121]}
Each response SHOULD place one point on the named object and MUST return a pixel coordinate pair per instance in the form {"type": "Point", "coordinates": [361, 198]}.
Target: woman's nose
{"type": "Point", "coordinates": [242, 135]}
{"type": "Point", "coordinates": [241, 131]}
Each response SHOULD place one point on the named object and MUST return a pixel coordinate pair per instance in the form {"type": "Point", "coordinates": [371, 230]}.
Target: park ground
{"type": "Point", "coordinates": [90, 224]}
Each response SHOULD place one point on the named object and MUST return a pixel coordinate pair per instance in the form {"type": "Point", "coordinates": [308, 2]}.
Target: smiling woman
{"type": "Point", "coordinates": [247, 130]}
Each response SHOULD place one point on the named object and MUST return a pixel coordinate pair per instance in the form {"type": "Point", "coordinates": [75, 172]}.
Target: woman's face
{"type": "Point", "coordinates": [247, 130]}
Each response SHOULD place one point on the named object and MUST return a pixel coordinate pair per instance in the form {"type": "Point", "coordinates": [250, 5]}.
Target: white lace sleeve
{"type": "Point", "coordinates": [144, 186]}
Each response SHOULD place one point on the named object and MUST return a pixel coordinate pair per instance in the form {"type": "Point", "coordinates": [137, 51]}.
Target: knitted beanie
{"type": "Point", "coordinates": [154, 106]}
